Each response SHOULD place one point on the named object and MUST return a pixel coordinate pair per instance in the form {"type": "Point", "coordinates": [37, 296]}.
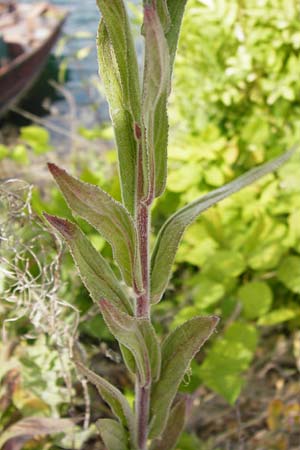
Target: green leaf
{"type": "Point", "coordinates": [113, 434]}
{"type": "Point", "coordinates": [138, 336]}
{"type": "Point", "coordinates": [178, 350]}
{"type": "Point", "coordinates": [32, 426]}
{"type": "Point", "coordinates": [37, 137]}
{"type": "Point", "coordinates": [256, 298]}
{"type": "Point", "coordinates": [107, 216]}
{"type": "Point", "coordinates": [164, 16]}
{"type": "Point", "coordinates": [289, 273]}
{"type": "Point", "coordinates": [176, 11]}
{"type": "Point", "coordinates": [227, 359]}
{"type": "Point", "coordinates": [174, 427]}
{"type": "Point", "coordinates": [112, 396]}
{"type": "Point", "coordinates": [119, 72]}
{"type": "Point", "coordinates": [95, 272]}
{"type": "Point", "coordinates": [278, 316]}
{"type": "Point", "coordinates": [156, 88]}
{"type": "Point", "coordinates": [171, 233]}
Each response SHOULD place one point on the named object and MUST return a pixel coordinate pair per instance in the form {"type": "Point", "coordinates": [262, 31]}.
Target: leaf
{"type": "Point", "coordinates": [256, 298]}
{"type": "Point", "coordinates": [138, 336]}
{"type": "Point", "coordinates": [174, 427]}
{"type": "Point", "coordinates": [113, 434]}
{"type": "Point", "coordinates": [107, 216]}
{"type": "Point", "coordinates": [37, 137]}
{"type": "Point", "coordinates": [279, 315]}
{"type": "Point", "coordinates": [164, 16]}
{"type": "Point", "coordinates": [227, 359]}
{"type": "Point", "coordinates": [289, 273]}
{"type": "Point", "coordinates": [176, 11]}
{"type": "Point", "coordinates": [119, 72]}
{"type": "Point", "coordinates": [178, 350]}
{"type": "Point", "coordinates": [95, 272]}
{"type": "Point", "coordinates": [171, 232]}
{"type": "Point", "coordinates": [33, 426]}
{"type": "Point", "coordinates": [111, 395]}
{"type": "Point", "coordinates": [156, 88]}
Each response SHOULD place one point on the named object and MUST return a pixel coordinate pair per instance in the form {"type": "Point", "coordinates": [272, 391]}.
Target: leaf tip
{"type": "Point", "coordinates": [66, 228]}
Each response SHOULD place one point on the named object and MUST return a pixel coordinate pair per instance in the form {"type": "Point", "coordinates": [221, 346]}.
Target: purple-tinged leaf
{"type": "Point", "coordinates": [107, 216]}
{"type": "Point", "coordinates": [138, 336]}
{"type": "Point", "coordinates": [95, 272]}
{"type": "Point", "coordinates": [174, 427]}
{"type": "Point", "coordinates": [178, 350]}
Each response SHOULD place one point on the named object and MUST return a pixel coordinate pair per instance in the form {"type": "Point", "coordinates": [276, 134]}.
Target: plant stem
{"type": "Point", "coordinates": [143, 310]}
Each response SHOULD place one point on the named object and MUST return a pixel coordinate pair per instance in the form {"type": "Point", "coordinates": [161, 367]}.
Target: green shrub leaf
{"type": "Point", "coordinates": [112, 396]}
{"type": "Point", "coordinates": [256, 298]}
{"type": "Point", "coordinates": [170, 234]}
{"type": "Point", "coordinates": [107, 216]}
{"type": "Point", "coordinates": [174, 427]}
{"type": "Point", "coordinates": [138, 336]}
{"type": "Point", "coordinates": [113, 434]}
{"type": "Point", "coordinates": [227, 359]}
{"type": "Point", "coordinates": [289, 273]}
{"type": "Point", "coordinates": [178, 350]}
{"type": "Point", "coordinates": [95, 272]}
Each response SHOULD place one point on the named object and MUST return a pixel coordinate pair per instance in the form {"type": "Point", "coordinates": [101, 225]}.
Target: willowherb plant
{"type": "Point", "coordinates": [139, 116]}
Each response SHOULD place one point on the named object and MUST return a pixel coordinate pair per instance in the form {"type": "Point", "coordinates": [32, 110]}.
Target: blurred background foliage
{"type": "Point", "coordinates": [235, 104]}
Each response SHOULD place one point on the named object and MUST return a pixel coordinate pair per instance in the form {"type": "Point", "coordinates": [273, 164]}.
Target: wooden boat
{"type": "Point", "coordinates": [28, 32]}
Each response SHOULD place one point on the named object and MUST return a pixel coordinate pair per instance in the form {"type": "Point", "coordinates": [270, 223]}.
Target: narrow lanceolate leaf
{"type": "Point", "coordinates": [176, 11]}
{"type": "Point", "coordinates": [156, 90]}
{"type": "Point", "coordinates": [112, 396]}
{"type": "Point", "coordinates": [174, 427]}
{"type": "Point", "coordinates": [138, 336]}
{"type": "Point", "coordinates": [95, 272]}
{"type": "Point", "coordinates": [107, 216]}
{"type": "Point", "coordinates": [113, 434]}
{"type": "Point", "coordinates": [119, 72]}
{"type": "Point", "coordinates": [118, 29]}
{"type": "Point", "coordinates": [27, 429]}
{"type": "Point", "coordinates": [178, 350]}
{"type": "Point", "coordinates": [164, 15]}
{"type": "Point", "coordinates": [171, 232]}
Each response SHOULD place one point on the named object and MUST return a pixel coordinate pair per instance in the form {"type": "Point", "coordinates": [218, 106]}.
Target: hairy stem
{"type": "Point", "coordinates": [143, 310]}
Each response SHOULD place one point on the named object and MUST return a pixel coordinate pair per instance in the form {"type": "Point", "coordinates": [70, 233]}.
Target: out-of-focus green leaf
{"type": "Point", "coordinates": [111, 395]}
{"type": "Point", "coordinates": [256, 298]}
{"type": "Point", "coordinates": [32, 426]}
{"type": "Point", "coordinates": [279, 315]}
{"type": "Point", "coordinates": [178, 350]}
{"type": "Point", "coordinates": [107, 216]}
{"type": "Point", "coordinates": [119, 73]}
{"type": "Point", "coordinates": [174, 427]}
{"type": "Point", "coordinates": [37, 137]}
{"type": "Point", "coordinates": [94, 270]}
{"type": "Point", "coordinates": [289, 273]}
{"type": "Point", "coordinates": [155, 93]}
{"type": "Point", "coordinates": [113, 434]}
{"type": "Point", "coordinates": [138, 336]}
{"type": "Point", "coordinates": [228, 358]}
{"type": "Point", "coordinates": [170, 234]}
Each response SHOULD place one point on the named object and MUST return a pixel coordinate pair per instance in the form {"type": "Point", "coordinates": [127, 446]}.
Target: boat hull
{"type": "Point", "coordinates": [20, 75]}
